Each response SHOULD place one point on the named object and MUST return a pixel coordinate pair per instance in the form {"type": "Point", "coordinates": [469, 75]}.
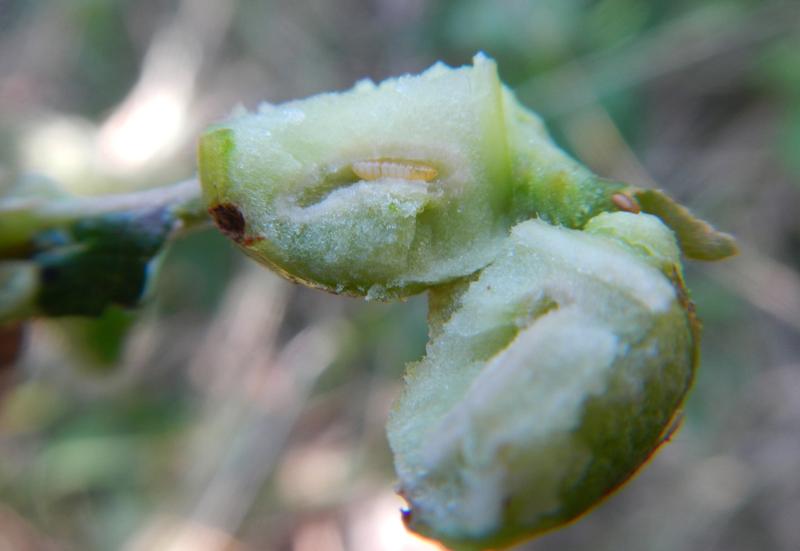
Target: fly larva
{"type": "Point", "coordinates": [404, 170]}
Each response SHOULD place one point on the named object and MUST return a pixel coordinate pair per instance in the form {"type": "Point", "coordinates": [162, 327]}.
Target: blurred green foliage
{"type": "Point", "coordinates": [105, 439]}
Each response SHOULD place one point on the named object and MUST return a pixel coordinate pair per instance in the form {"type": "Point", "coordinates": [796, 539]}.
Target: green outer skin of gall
{"type": "Point", "coordinates": [280, 181]}
{"type": "Point", "coordinates": [548, 383]}
{"type": "Point", "coordinates": [562, 338]}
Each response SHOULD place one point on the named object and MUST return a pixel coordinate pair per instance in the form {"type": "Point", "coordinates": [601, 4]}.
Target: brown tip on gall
{"type": "Point", "coordinates": [229, 220]}
{"type": "Point", "coordinates": [626, 203]}
{"type": "Point", "coordinates": [406, 514]}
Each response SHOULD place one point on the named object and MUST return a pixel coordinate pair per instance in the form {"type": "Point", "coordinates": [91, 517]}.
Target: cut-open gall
{"type": "Point", "coordinates": [563, 340]}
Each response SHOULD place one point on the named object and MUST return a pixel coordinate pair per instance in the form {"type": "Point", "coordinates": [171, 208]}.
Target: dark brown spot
{"type": "Point", "coordinates": [251, 240]}
{"type": "Point", "coordinates": [406, 512]}
{"type": "Point", "coordinates": [229, 220]}
{"type": "Point", "coordinates": [407, 515]}
{"type": "Point", "coordinates": [625, 203]}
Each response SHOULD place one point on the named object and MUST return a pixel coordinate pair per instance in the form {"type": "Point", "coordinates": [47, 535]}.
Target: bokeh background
{"type": "Point", "coordinates": [238, 411]}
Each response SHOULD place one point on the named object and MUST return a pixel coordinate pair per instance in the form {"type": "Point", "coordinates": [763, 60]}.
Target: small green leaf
{"type": "Point", "coordinates": [697, 238]}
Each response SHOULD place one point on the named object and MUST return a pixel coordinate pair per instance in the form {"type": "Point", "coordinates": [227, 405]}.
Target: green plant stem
{"type": "Point", "coordinates": [52, 249]}
{"type": "Point", "coordinates": [22, 218]}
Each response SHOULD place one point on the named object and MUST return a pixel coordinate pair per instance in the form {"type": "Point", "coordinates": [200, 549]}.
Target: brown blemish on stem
{"type": "Point", "coordinates": [229, 220]}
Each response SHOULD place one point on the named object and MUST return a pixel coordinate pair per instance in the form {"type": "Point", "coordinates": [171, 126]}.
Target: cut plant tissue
{"type": "Point", "coordinates": [563, 341]}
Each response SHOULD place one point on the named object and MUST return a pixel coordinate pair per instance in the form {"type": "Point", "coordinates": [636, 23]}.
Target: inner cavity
{"type": "Point", "coordinates": [367, 171]}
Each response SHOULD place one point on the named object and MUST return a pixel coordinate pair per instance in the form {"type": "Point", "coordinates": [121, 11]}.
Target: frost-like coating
{"type": "Point", "coordinates": [330, 193]}
{"type": "Point", "coordinates": [385, 190]}
{"type": "Point", "coordinates": [521, 415]}
{"type": "Point", "coordinates": [562, 337]}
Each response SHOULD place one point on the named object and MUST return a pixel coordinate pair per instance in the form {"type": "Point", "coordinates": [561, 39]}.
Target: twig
{"type": "Point", "coordinates": [23, 217]}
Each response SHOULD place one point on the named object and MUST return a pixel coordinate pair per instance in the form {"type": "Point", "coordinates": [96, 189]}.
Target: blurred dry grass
{"type": "Point", "coordinates": [240, 412]}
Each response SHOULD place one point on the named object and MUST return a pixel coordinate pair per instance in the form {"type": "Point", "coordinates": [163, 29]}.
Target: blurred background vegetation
{"type": "Point", "coordinates": [237, 411]}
